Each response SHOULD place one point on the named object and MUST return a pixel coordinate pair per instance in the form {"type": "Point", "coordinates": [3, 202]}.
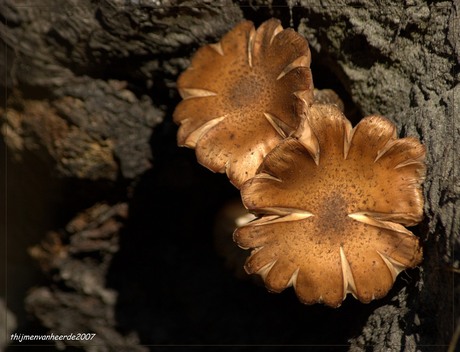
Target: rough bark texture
{"type": "Point", "coordinates": [118, 221]}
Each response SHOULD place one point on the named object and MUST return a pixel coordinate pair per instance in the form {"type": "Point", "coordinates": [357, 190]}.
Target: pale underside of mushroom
{"type": "Point", "coordinates": [331, 202]}
{"type": "Point", "coordinates": [242, 96]}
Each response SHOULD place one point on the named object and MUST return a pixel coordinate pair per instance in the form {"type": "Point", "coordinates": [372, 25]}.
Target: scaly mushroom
{"type": "Point", "coordinates": [242, 96]}
{"type": "Point", "coordinates": [332, 202]}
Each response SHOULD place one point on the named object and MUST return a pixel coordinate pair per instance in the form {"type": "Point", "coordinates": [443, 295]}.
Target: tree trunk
{"type": "Point", "coordinates": [120, 220]}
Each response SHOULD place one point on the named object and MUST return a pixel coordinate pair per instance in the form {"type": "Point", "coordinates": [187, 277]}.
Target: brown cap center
{"type": "Point", "coordinates": [332, 213]}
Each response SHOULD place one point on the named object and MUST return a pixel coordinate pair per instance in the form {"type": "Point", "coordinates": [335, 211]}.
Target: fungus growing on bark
{"type": "Point", "coordinates": [332, 201]}
{"type": "Point", "coordinates": [241, 97]}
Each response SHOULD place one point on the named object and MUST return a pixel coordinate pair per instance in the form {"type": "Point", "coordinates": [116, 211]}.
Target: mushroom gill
{"type": "Point", "coordinates": [331, 204]}
{"type": "Point", "coordinates": [242, 96]}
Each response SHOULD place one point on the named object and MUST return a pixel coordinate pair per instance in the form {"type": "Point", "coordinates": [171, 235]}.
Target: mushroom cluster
{"type": "Point", "coordinates": [331, 201]}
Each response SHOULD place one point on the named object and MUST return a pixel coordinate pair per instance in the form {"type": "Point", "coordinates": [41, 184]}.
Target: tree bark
{"type": "Point", "coordinates": [120, 220]}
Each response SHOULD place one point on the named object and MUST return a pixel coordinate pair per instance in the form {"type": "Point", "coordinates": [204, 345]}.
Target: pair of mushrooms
{"type": "Point", "coordinates": [331, 201]}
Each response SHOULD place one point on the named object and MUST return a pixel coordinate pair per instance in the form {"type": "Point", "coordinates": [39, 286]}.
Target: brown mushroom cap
{"type": "Point", "coordinates": [242, 96]}
{"type": "Point", "coordinates": [331, 203]}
